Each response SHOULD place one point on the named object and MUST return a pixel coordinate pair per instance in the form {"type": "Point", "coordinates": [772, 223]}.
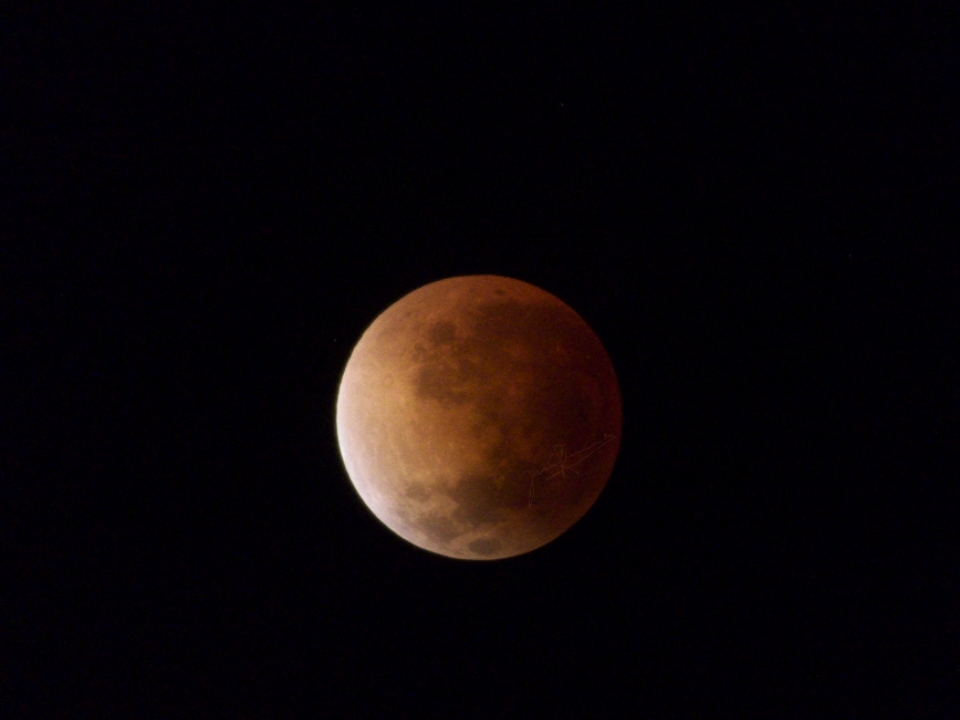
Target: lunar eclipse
{"type": "Point", "coordinates": [479, 417]}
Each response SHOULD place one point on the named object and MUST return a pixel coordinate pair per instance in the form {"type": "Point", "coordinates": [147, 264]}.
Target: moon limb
{"type": "Point", "coordinates": [453, 403]}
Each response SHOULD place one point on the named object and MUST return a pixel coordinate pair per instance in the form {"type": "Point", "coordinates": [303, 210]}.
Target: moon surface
{"type": "Point", "coordinates": [479, 417]}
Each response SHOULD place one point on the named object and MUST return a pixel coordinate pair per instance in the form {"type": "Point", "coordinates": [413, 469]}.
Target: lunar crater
{"type": "Point", "coordinates": [485, 546]}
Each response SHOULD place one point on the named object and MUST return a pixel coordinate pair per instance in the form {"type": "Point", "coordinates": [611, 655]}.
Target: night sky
{"type": "Point", "coordinates": [202, 211]}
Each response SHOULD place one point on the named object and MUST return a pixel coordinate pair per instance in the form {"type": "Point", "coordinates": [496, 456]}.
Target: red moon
{"type": "Point", "coordinates": [479, 417]}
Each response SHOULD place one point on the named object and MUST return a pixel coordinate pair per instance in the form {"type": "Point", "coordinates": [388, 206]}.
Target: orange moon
{"type": "Point", "coordinates": [479, 417]}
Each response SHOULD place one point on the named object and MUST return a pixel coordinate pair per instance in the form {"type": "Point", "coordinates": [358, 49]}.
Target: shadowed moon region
{"type": "Point", "coordinates": [479, 417]}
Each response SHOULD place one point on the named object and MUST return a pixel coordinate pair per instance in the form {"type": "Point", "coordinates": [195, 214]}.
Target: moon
{"type": "Point", "coordinates": [479, 417]}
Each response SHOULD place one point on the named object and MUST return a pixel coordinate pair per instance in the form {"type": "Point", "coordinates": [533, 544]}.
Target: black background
{"type": "Point", "coordinates": [204, 209]}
